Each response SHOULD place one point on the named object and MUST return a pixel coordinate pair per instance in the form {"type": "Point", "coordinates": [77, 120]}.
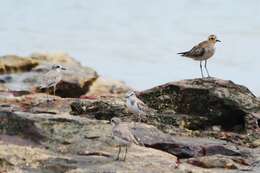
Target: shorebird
{"type": "Point", "coordinates": [202, 52]}
{"type": "Point", "coordinates": [52, 77]}
{"type": "Point", "coordinates": [135, 105]}
{"type": "Point", "coordinates": [122, 134]}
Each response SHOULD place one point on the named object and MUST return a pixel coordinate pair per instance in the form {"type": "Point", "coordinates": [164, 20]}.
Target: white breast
{"type": "Point", "coordinates": [133, 108]}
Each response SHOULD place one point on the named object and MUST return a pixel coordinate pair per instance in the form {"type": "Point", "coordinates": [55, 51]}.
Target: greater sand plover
{"type": "Point", "coordinates": [122, 134]}
{"type": "Point", "coordinates": [52, 77]}
{"type": "Point", "coordinates": [135, 105]}
{"type": "Point", "coordinates": [202, 52]}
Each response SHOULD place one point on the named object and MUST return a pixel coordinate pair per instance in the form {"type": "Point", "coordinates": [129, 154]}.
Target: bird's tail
{"type": "Point", "coordinates": [137, 141]}
{"type": "Point", "coordinates": [42, 87]}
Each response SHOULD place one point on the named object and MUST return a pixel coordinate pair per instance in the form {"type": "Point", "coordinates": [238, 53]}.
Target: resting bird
{"type": "Point", "coordinates": [51, 78]}
{"type": "Point", "coordinates": [202, 52]}
{"type": "Point", "coordinates": [135, 105]}
{"type": "Point", "coordinates": [122, 134]}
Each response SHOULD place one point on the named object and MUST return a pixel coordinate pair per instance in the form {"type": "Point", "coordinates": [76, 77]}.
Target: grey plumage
{"type": "Point", "coordinates": [122, 134]}
{"type": "Point", "coordinates": [51, 78]}
{"type": "Point", "coordinates": [135, 105]}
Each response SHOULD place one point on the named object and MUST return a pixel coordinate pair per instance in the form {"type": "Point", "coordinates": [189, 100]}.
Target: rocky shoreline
{"type": "Point", "coordinates": [199, 125]}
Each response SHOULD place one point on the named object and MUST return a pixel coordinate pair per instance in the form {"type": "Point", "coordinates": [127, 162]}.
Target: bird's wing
{"type": "Point", "coordinates": [123, 132]}
{"type": "Point", "coordinates": [196, 51]}
{"type": "Point", "coordinates": [143, 107]}
{"type": "Point", "coordinates": [48, 79]}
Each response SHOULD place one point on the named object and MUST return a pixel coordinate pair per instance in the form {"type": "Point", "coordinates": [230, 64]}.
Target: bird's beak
{"type": "Point", "coordinates": [218, 41]}
{"type": "Point", "coordinates": [63, 68]}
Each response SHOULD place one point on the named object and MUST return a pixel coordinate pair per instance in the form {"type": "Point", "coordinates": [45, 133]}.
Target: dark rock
{"type": "Point", "coordinates": [5, 165]}
{"type": "Point", "coordinates": [218, 149]}
{"type": "Point", "coordinates": [12, 124]}
{"type": "Point", "coordinates": [5, 79]}
{"type": "Point", "coordinates": [104, 108]}
{"type": "Point", "coordinates": [180, 147]}
{"type": "Point", "coordinates": [101, 109]}
{"type": "Point", "coordinates": [214, 101]}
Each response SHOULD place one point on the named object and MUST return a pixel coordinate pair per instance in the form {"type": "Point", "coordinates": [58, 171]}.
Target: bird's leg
{"type": "Point", "coordinates": [125, 152]}
{"type": "Point", "coordinates": [48, 99]}
{"type": "Point", "coordinates": [54, 89]}
{"type": "Point", "coordinates": [119, 151]}
{"type": "Point", "coordinates": [206, 68]}
{"type": "Point", "coordinates": [201, 71]}
{"type": "Point", "coordinates": [139, 117]}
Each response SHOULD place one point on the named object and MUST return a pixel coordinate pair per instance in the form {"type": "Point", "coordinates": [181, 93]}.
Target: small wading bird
{"type": "Point", "coordinates": [202, 52]}
{"type": "Point", "coordinates": [122, 134]}
{"type": "Point", "coordinates": [52, 78]}
{"type": "Point", "coordinates": [135, 105]}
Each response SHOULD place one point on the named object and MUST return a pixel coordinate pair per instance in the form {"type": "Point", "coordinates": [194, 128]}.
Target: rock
{"type": "Point", "coordinates": [181, 147]}
{"type": "Point", "coordinates": [68, 143]}
{"type": "Point", "coordinates": [214, 162]}
{"type": "Point", "coordinates": [3, 88]}
{"type": "Point", "coordinates": [207, 102]}
{"type": "Point", "coordinates": [44, 133]}
{"type": "Point", "coordinates": [216, 128]}
{"type": "Point", "coordinates": [102, 108]}
{"type": "Point", "coordinates": [73, 143]}
{"type": "Point", "coordinates": [256, 143]}
{"type": "Point", "coordinates": [20, 126]}
{"type": "Point", "coordinates": [22, 155]}
{"type": "Point", "coordinates": [13, 63]}
{"type": "Point", "coordinates": [35, 103]}
{"type": "Point", "coordinates": [75, 81]}
{"type": "Point", "coordinates": [55, 58]}
{"type": "Point", "coordinates": [106, 107]}
{"type": "Point", "coordinates": [108, 87]}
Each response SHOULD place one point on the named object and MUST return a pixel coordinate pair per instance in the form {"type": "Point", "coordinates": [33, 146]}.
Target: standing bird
{"type": "Point", "coordinates": [52, 77]}
{"type": "Point", "coordinates": [202, 52]}
{"type": "Point", "coordinates": [135, 105]}
{"type": "Point", "coordinates": [122, 134]}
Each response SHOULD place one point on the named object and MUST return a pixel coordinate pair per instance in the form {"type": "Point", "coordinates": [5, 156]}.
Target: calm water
{"type": "Point", "coordinates": [137, 40]}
